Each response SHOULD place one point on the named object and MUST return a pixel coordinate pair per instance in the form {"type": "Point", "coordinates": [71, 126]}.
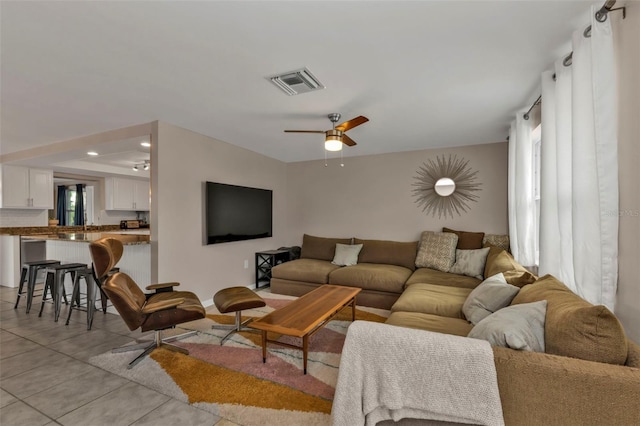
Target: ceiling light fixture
{"type": "Point", "coordinates": [92, 153]}
{"type": "Point", "coordinates": [145, 144]}
{"type": "Point", "coordinates": [333, 142]}
{"type": "Point", "coordinates": [144, 166]}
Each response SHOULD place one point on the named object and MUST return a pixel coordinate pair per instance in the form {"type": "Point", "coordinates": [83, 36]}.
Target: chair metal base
{"type": "Point", "coordinates": [149, 346]}
{"type": "Point", "coordinates": [238, 326]}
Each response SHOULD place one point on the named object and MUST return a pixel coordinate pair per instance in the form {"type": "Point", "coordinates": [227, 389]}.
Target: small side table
{"type": "Point", "coordinates": [265, 260]}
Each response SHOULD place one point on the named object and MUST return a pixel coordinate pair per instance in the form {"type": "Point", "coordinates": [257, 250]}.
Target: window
{"type": "Point", "coordinates": [72, 196]}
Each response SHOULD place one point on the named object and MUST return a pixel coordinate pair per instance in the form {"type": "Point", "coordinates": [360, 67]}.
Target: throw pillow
{"type": "Point", "coordinates": [470, 262]}
{"type": "Point", "coordinates": [437, 250]}
{"type": "Point", "coordinates": [346, 255]}
{"type": "Point", "coordinates": [519, 327]}
{"type": "Point", "coordinates": [498, 240]}
{"type": "Point", "coordinates": [467, 240]}
{"type": "Point", "coordinates": [575, 327]}
{"type": "Point", "coordinates": [320, 248]}
{"type": "Point", "coordinates": [388, 252]}
{"type": "Point", "coordinates": [491, 295]}
{"type": "Point", "coordinates": [498, 260]}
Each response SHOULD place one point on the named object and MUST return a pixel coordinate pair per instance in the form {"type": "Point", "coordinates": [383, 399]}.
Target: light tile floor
{"type": "Point", "coordinates": [45, 378]}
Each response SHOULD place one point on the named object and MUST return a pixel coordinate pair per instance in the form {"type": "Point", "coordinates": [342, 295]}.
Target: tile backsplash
{"type": "Point", "coordinates": [23, 217]}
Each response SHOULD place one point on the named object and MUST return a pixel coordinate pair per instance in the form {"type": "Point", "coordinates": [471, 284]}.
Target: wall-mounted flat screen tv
{"type": "Point", "coordinates": [236, 213]}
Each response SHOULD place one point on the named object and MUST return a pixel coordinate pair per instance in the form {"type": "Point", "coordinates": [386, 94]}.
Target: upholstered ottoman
{"type": "Point", "coordinates": [236, 299]}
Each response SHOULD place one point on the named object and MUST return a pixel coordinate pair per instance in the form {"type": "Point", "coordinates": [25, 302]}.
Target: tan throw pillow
{"type": "Point", "coordinates": [437, 250]}
{"type": "Point", "coordinates": [467, 240]}
{"type": "Point", "coordinates": [320, 248]}
{"type": "Point", "coordinates": [498, 260]}
{"type": "Point", "coordinates": [491, 295]}
{"type": "Point", "coordinates": [497, 240]}
{"type": "Point", "coordinates": [346, 255]}
{"type": "Point", "coordinates": [388, 252]}
{"type": "Point", "coordinates": [519, 327]}
{"type": "Point", "coordinates": [575, 327]}
{"type": "Point", "coordinates": [470, 262]}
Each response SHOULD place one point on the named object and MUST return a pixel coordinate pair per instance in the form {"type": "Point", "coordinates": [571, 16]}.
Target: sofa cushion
{"type": "Point", "coordinates": [372, 276]}
{"type": "Point", "coordinates": [575, 327]}
{"type": "Point", "coordinates": [498, 260]}
{"type": "Point", "coordinates": [308, 270]}
{"type": "Point", "coordinates": [491, 295]}
{"type": "Point", "coordinates": [436, 323]}
{"type": "Point", "coordinates": [467, 240]}
{"type": "Point", "coordinates": [437, 250]}
{"type": "Point", "coordinates": [432, 276]}
{"type": "Point", "coordinates": [346, 254]}
{"type": "Point", "coordinates": [497, 240]}
{"type": "Point", "coordinates": [388, 252]}
{"type": "Point", "coordinates": [320, 248]}
{"type": "Point", "coordinates": [470, 262]}
{"type": "Point", "coordinates": [432, 299]}
{"type": "Point", "coordinates": [519, 327]}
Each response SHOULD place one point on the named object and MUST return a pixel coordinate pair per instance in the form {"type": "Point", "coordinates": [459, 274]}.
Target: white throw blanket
{"type": "Point", "coordinates": [388, 372]}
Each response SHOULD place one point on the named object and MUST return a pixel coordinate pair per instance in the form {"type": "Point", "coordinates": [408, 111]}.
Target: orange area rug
{"type": "Point", "coordinates": [232, 381]}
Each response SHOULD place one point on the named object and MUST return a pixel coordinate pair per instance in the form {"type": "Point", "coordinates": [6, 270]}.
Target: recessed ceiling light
{"type": "Point", "coordinates": [145, 144]}
{"type": "Point", "coordinates": [92, 153]}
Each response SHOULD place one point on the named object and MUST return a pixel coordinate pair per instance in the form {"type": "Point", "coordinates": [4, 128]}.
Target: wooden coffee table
{"type": "Point", "coordinates": [305, 316]}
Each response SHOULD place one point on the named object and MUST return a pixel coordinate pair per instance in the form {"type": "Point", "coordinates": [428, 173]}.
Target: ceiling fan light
{"type": "Point", "coordinates": [333, 143]}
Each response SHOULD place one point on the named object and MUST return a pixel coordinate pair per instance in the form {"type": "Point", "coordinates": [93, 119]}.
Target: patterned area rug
{"type": "Point", "coordinates": [233, 382]}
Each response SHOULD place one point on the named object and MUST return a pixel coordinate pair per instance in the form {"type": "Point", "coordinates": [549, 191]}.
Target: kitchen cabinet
{"type": "Point", "coordinates": [26, 188]}
{"type": "Point", "coordinates": [126, 194]}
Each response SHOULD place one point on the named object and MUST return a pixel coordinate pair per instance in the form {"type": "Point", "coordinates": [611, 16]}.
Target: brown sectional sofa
{"type": "Point", "coordinates": [589, 374]}
{"type": "Point", "coordinates": [383, 269]}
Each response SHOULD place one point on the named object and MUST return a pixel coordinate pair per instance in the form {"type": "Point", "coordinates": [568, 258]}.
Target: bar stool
{"type": "Point", "coordinates": [29, 275]}
{"type": "Point", "coordinates": [87, 274]}
{"type": "Point", "coordinates": [54, 283]}
{"type": "Point", "coordinates": [92, 285]}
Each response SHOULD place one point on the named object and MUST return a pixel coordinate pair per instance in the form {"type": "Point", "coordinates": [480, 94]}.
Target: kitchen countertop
{"type": "Point", "coordinates": [80, 237]}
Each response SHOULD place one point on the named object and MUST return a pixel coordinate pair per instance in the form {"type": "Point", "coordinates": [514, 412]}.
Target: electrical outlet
{"type": "Point", "coordinates": [246, 264]}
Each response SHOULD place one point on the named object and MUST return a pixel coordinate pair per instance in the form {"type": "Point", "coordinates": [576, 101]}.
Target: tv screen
{"type": "Point", "coordinates": [236, 213]}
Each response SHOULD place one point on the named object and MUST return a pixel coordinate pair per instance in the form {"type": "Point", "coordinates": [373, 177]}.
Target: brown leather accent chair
{"type": "Point", "coordinates": [157, 311]}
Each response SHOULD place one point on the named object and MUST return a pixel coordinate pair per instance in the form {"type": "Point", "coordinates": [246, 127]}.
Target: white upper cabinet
{"type": "Point", "coordinates": [25, 188]}
{"type": "Point", "coordinates": [126, 194]}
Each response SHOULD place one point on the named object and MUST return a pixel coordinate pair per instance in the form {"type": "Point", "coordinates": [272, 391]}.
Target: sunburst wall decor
{"type": "Point", "coordinates": [442, 176]}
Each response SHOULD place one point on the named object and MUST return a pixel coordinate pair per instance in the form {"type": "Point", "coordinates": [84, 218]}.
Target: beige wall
{"type": "Point", "coordinates": [182, 161]}
{"type": "Point", "coordinates": [371, 196]}
{"type": "Point", "coordinates": [628, 48]}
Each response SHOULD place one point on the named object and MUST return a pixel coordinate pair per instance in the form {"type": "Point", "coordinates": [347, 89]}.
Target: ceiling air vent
{"type": "Point", "coordinates": [296, 82]}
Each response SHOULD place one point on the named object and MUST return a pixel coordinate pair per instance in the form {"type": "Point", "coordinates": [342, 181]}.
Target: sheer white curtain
{"type": "Point", "coordinates": [579, 169]}
{"type": "Point", "coordinates": [522, 210]}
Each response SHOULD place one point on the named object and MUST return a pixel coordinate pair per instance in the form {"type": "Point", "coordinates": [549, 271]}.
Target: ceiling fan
{"type": "Point", "coordinates": [335, 137]}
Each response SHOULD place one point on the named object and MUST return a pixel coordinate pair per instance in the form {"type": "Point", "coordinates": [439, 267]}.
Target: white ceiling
{"type": "Point", "coordinates": [426, 73]}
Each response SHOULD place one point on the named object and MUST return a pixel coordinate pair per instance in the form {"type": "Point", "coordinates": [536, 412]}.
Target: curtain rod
{"type": "Point", "coordinates": [601, 16]}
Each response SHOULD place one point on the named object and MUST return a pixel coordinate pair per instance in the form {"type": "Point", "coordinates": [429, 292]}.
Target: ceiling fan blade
{"type": "Point", "coordinates": [348, 141]}
{"type": "Point", "coordinates": [304, 131]}
{"type": "Point", "coordinates": [347, 125]}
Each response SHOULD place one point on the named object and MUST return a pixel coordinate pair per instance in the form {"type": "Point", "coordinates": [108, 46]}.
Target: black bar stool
{"type": "Point", "coordinates": [54, 283]}
{"type": "Point", "coordinates": [87, 275]}
{"type": "Point", "coordinates": [29, 275]}
{"type": "Point", "coordinates": [93, 287]}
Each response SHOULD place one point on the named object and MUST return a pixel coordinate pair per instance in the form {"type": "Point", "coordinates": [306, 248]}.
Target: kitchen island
{"type": "Point", "coordinates": [74, 247]}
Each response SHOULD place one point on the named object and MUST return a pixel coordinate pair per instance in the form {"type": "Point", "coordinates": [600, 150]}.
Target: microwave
{"type": "Point", "coordinates": [129, 224]}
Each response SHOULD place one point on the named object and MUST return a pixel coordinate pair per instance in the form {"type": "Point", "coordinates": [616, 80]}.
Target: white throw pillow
{"type": "Point", "coordinates": [437, 250]}
{"type": "Point", "coordinates": [346, 255]}
{"type": "Point", "coordinates": [519, 327]}
{"type": "Point", "coordinates": [470, 262]}
{"type": "Point", "coordinates": [491, 295]}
